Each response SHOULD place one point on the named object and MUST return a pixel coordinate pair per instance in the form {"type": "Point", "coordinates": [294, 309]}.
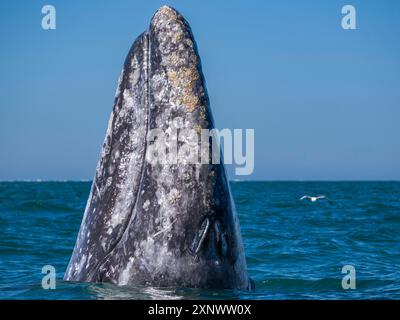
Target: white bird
{"type": "Point", "coordinates": [314, 199]}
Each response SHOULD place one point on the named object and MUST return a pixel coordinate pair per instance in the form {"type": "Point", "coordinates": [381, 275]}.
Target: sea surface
{"type": "Point", "coordinates": [295, 249]}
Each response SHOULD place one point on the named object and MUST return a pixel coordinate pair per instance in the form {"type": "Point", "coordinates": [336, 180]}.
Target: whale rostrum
{"type": "Point", "coordinates": [161, 225]}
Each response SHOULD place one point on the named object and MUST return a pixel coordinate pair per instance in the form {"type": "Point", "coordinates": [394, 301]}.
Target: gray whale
{"type": "Point", "coordinates": [159, 225]}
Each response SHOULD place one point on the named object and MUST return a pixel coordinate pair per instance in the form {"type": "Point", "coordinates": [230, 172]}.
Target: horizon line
{"type": "Point", "coordinates": [230, 180]}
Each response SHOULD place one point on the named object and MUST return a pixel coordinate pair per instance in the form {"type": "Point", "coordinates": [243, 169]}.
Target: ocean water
{"type": "Point", "coordinates": [295, 249]}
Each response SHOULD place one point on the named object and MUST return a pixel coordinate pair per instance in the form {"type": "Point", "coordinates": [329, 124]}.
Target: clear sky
{"type": "Point", "coordinates": [324, 102]}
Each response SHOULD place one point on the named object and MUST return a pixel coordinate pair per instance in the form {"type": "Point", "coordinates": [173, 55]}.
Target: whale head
{"type": "Point", "coordinates": [156, 214]}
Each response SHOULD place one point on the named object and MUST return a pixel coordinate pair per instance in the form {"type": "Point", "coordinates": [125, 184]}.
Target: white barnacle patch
{"type": "Point", "coordinates": [134, 76]}
{"type": "Point", "coordinates": [104, 245]}
{"type": "Point", "coordinates": [181, 46]}
{"type": "Point", "coordinates": [161, 94]}
{"type": "Point", "coordinates": [178, 123]}
{"type": "Point", "coordinates": [165, 228]}
{"type": "Point", "coordinates": [161, 197]}
{"type": "Point", "coordinates": [88, 260]}
{"type": "Point", "coordinates": [106, 146]}
{"type": "Point", "coordinates": [128, 100]}
{"type": "Point", "coordinates": [122, 114]}
{"type": "Point", "coordinates": [116, 154]}
{"type": "Point", "coordinates": [174, 196]}
{"type": "Point", "coordinates": [109, 180]}
{"type": "Point", "coordinates": [124, 276]}
{"type": "Point", "coordinates": [175, 105]}
{"type": "Point", "coordinates": [146, 205]}
{"type": "Point", "coordinates": [111, 168]}
{"type": "Point", "coordinates": [159, 77]}
{"type": "Point", "coordinates": [116, 219]}
{"type": "Point", "coordinates": [79, 265]}
{"type": "Point", "coordinates": [118, 91]}
{"type": "Point", "coordinates": [159, 87]}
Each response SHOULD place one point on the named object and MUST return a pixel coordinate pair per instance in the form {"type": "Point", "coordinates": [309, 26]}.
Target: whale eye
{"type": "Point", "coordinates": [200, 236]}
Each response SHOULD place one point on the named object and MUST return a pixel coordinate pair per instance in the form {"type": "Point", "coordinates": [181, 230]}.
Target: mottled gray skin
{"type": "Point", "coordinates": [159, 225]}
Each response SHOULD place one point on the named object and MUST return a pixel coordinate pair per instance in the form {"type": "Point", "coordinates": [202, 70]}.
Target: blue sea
{"type": "Point", "coordinates": [295, 249]}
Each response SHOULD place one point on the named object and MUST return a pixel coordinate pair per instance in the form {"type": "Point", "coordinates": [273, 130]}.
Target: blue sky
{"type": "Point", "coordinates": [324, 102]}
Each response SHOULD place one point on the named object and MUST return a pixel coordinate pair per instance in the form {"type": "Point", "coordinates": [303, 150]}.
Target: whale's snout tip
{"type": "Point", "coordinates": [165, 9]}
{"type": "Point", "coordinates": [166, 14]}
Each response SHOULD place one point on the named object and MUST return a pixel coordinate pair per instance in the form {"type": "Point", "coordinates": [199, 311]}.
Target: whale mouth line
{"type": "Point", "coordinates": [132, 214]}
